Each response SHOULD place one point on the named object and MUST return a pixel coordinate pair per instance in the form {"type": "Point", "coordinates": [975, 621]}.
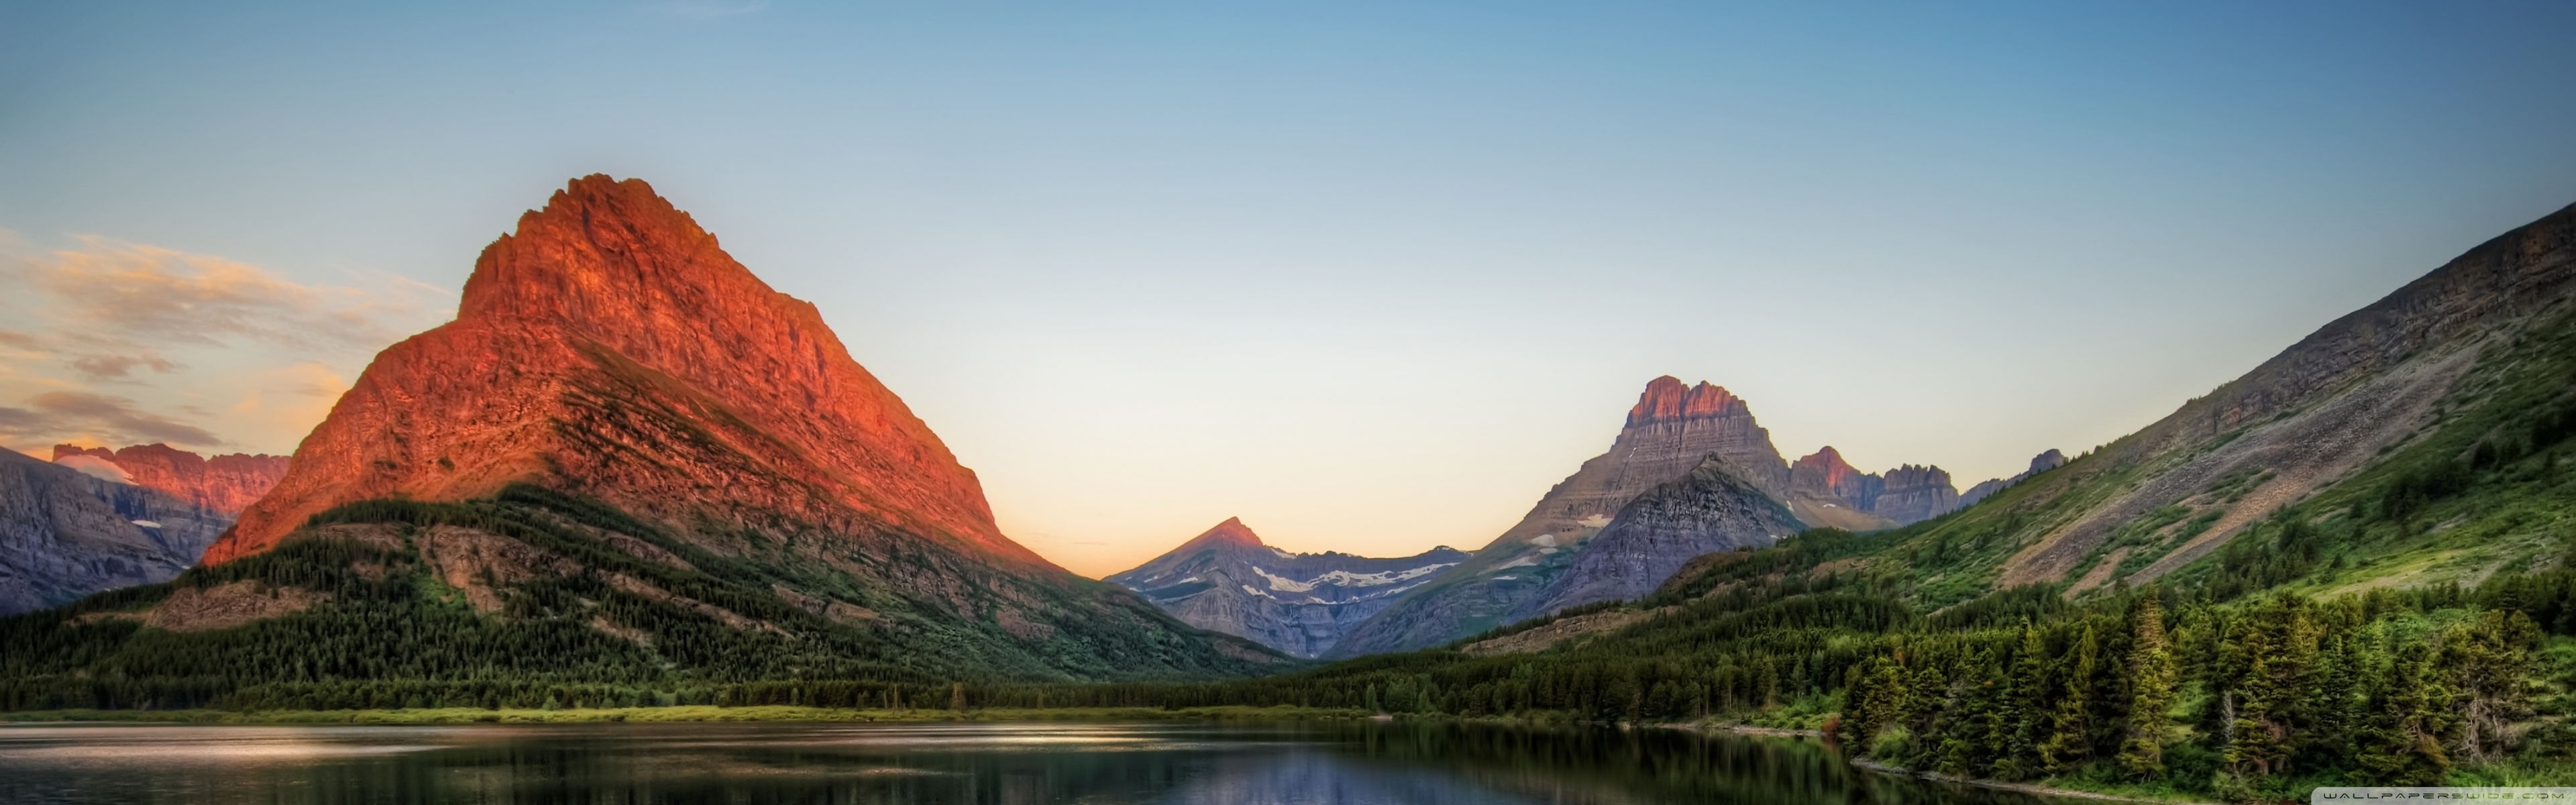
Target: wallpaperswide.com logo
{"type": "Point", "coordinates": [2358, 794]}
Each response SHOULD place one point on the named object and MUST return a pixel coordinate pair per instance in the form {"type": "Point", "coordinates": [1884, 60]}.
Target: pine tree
{"type": "Point", "coordinates": [2070, 737]}
{"type": "Point", "coordinates": [1963, 725]}
{"type": "Point", "coordinates": [2151, 680]}
{"type": "Point", "coordinates": [2030, 712]}
{"type": "Point", "coordinates": [2403, 743]}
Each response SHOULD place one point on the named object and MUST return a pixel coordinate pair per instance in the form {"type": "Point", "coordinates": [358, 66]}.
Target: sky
{"type": "Point", "coordinates": [1371, 276]}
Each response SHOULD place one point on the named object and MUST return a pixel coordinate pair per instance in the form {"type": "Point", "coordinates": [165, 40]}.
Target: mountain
{"type": "Point", "coordinates": [1553, 558]}
{"type": "Point", "coordinates": [225, 484]}
{"type": "Point", "coordinates": [627, 448]}
{"type": "Point", "coordinates": [65, 534]}
{"type": "Point", "coordinates": [1227, 580]}
{"type": "Point", "coordinates": [1828, 492]}
{"type": "Point", "coordinates": [2052, 459]}
{"type": "Point", "coordinates": [1671, 431]}
{"type": "Point", "coordinates": [1914, 494]}
{"type": "Point", "coordinates": [1708, 510]}
{"type": "Point", "coordinates": [611, 345]}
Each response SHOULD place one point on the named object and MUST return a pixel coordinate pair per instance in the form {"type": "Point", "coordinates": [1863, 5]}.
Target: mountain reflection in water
{"type": "Point", "coordinates": [983, 763]}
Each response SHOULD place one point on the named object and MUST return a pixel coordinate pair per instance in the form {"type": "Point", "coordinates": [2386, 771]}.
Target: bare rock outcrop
{"type": "Point", "coordinates": [225, 484]}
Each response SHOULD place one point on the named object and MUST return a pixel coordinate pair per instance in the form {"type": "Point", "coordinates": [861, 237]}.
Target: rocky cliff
{"type": "Point", "coordinates": [1826, 491]}
{"type": "Point", "coordinates": [1671, 430]}
{"type": "Point", "coordinates": [1227, 580]}
{"type": "Point", "coordinates": [65, 534]}
{"type": "Point", "coordinates": [1707, 510]}
{"type": "Point", "coordinates": [1913, 494]}
{"type": "Point", "coordinates": [226, 484]}
{"type": "Point", "coordinates": [609, 350]}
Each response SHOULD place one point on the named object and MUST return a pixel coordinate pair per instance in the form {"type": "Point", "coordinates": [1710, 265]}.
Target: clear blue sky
{"type": "Point", "coordinates": [1370, 275]}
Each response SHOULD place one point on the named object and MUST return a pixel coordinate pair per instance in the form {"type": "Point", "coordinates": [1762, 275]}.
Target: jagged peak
{"type": "Point", "coordinates": [1826, 457]}
{"type": "Point", "coordinates": [599, 242]}
{"type": "Point", "coordinates": [1917, 475]}
{"type": "Point", "coordinates": [1666, 399]}
{"type": "Point", "coordinates": [2045, 461]}
{"type": "Point", "coordinates": [1232, 532]}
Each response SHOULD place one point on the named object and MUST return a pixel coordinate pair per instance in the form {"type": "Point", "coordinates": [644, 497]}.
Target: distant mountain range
{"type": "Point", "coordinates": [1227, 580]}
{"type": "Point", "coordinates": [1690, 472]}
{"type": "Point", "coordinates": [225, 484]}
{"type": "Point", "coordinates": [97, 519]}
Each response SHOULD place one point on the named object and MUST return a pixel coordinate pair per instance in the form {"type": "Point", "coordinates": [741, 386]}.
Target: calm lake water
{"type": "Point", "coordinates": [1003, 764]}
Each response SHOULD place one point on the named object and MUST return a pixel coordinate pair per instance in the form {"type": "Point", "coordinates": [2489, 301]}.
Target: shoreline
{"type": "Point", "coordinates": [2026, 788]}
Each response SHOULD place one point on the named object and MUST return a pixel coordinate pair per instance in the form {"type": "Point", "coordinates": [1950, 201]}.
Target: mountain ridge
{"type": "Point", "coordinates": [1224, 580]}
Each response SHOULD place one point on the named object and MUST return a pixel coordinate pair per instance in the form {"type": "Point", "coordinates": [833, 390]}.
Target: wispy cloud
{"type": "Point", "coordinates": [112, 342]}
{"type": "Point", "coordinates": [126, 291]}
{"type": "Point", "coordinates": [111, 367]}
{"type": "Point", "coordinates": [85, 416]}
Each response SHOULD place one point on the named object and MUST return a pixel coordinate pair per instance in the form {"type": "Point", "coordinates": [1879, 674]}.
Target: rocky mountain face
{"type": "Point", "coordinates": [609, 350]}
{"type": "Point", "coordinates": [65, 534]}
{"type": "Point", "coordinates": [2038, 464]}
{"type": "Point", "coordinates": [1692, 434]}
{"type": "Point", "coordinates": [1227, 580]}
{"type": "Point", "coordinates": [226, 484]}
{"type": "Point", "coordinates": [1672, 430]}
{"type": "Point", "coordinates": [1828, 492]}
{"type": "Point", "coordinates": [1705, 511]}
{"type": "Point", "coordinates": [1914, 494]}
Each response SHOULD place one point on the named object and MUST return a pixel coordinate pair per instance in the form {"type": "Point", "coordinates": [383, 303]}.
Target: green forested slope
{"type": "Point", "coordinates": [573, 619]}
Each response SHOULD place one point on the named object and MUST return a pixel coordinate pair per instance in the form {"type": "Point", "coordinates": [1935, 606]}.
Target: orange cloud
{"type": "Point", "coordinates": [124, 291]}
{"type": "Point", "coordinates": [65, 415]}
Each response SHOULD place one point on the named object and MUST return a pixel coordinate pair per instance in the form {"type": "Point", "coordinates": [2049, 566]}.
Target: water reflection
{"type": "Point", "coordinates": [986, 764]}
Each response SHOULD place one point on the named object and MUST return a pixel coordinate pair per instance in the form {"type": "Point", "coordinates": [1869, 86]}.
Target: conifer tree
{"type": "Point", "coordinates": [2070, 737]}
{"type": "Point", "coordinates": [2403, 743]}
{"type": "Point", "coordinates": [2030, 713]}
{"type": "Point", "coordinates": [2255, 742]}
{"type": "Point", "coordinates": [2151, 680]}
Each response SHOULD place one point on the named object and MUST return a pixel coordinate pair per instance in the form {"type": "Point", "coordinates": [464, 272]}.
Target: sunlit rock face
{"type": "Point", "coordinates": [610, 350]}
{"type": "Point", "coordinates": [1826, 492]}
{"type": "Point", "coordinates": [611, 347]}
{"type": "Point", "coordinates": [1227, 580]}
{"type": "Point", "coordinates": [65, 533]}
{"type": "Point", "coordinates": [226, 484]}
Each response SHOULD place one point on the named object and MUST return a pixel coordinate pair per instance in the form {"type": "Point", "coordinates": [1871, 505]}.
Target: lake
{"type": "Point", "coordinates": [996, 763]}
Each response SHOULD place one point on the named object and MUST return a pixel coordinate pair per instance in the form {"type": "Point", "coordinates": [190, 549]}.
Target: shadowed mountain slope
{"type": "Point", "coordinates": [1227, 580]}
{"type": "Point", "coordinates": [65, 534]}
